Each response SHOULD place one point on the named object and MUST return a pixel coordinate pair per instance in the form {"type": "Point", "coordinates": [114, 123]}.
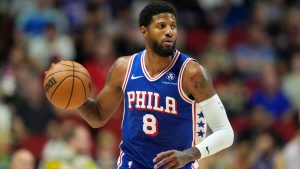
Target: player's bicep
{"type": "Point", "coordinates": [110, 97]}
{"type": "Point", "coordinates": [198, 83]}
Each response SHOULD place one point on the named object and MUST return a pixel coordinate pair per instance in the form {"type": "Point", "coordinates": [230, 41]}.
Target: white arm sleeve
{"type": "Point", "coordinates": [216, 118]}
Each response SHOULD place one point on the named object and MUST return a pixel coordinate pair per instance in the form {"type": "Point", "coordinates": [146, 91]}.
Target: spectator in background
{"type": "Point", "coordinates": [30, 103]}
{"type": "Point", "coordinates": [291, 151]}
{"type": "Point", "coordinates": [98, 13]}
{"type": "Point", "coordinates": [106, 148]}
{"type": "Point", "coordinates": [33, 20]}
{"type": "Point", "coordinates": [5, 133]}
{"type": "Point", "coordinates": [291, 81]}
{"type": "Point", "coordinates": [288, 41]}
{"type": "Point", "coordinates": [85, 43]}
{"type": "Point", "coordinates": [17, 56]}
{"type": "Point", "coordinates": [236, 14]}
{"type": "Point", "coordinates": [73, 151]}
{"type": "Point", "coordinates": [75, 11]}
{"type": "Point", "coordinates": [242, 157]}
{"type": "Point", "coordinates": [267, 155]}
{"type": "Point", "coordinates": [51, 47]}
{"type": "Point", "coordinates": [260, 14]}
{"type": "Point", "coordinates": [271, 96]}
{"type": "Point", "coordinates": [259, 121]}
{"type": "Point", "coordinates": [5, 116]}
{"type": "Point", "coordinates": [234, 95]}
{"type": "Point", "coordinates": [22, 159]}
{"type": "Point", "coordinates": [216, 57]}
{"type": "Point", "coordinates": [102, 59]}
{"type": "Point", "coordinates": [268, 14]}
{"type": "Point", "coordinates": [17, 6]}
{"type": "Point", "coordinates": [33, 114]}
{"type": "Point", "coordinates": [256, 52]}
{"type": "Point", "coordinates": [191, 14]}
{"type": "Point", "coordinates": [9, 89]}
{"type": "Point", "coordinates": [6, 144]}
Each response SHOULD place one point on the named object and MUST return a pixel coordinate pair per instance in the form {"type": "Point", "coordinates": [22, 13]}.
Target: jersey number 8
{"type": "Point", "coordinates": [150, 125]}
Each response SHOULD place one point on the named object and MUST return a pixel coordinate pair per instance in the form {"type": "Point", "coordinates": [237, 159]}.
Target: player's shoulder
{"type": "Point", "coordinates": [118, 71]}
{"type": "Point", "coordinates": [194, 68]}
{"type": "Point", "coordinates": [197, 82]}
{"type": "Point", "coordinates": [122, 62]}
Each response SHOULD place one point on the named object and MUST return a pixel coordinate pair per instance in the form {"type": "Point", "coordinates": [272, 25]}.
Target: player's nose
{"type": "Point", "coordinates": [169, 31]}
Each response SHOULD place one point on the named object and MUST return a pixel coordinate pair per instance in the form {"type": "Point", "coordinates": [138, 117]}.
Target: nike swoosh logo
{"type": "Point", "coordinates": [135, 77]}
{"type": "Point", "coordinates": [207, 150]}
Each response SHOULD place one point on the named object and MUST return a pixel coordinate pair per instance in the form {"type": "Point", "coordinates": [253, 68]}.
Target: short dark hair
{"type": "Point", "coordinates": [155, 8]}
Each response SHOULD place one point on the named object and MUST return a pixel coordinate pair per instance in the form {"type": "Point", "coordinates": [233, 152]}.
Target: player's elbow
{"type": "Point", "coordinates": [229, 137]}
{"type": "Point", "coordinates": [96, 124]}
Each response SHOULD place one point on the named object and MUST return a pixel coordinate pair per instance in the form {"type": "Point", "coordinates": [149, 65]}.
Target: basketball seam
{"type": "Point", "coordinates": [67, 71]}
{"type": "Point", "coordinates": [69, 65]}
{"type": "Point", "coordinates": [63, 81]}
{"type": "Point", "coordinates": [58, 86]}
{"type": "Point", "coordinates": [83, 86]}
{"type": "Point", "coordinates": [72, 87]}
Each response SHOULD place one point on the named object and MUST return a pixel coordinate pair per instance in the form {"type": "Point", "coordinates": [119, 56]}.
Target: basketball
{"type": "Point", "coordinates": [67, 84]}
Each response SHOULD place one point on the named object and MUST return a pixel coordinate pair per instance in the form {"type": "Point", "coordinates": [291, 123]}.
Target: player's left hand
{"type": "Point", "coordinates": [172, 159]}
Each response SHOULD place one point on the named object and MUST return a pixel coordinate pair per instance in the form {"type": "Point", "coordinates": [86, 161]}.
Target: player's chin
{"type": "Point", "coordinates": [168, 47]}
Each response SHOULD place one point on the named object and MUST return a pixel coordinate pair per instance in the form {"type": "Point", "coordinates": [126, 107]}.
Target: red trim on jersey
{"type": "Point", "coordinates": [156, 132]}
{"type": "Point", "coordinates": [150, 100]}
{"type": "Point", "coordinates": [194, 123]}
{"type": "Point", "coordinates": [181, 92]}
{"type": "Point", "coordinates": [128, 72]}
{"type": "Point", "coordinates": [188, 100]}
{"type": "Point", "coordinates": [161, 73]}
{"type": "Point", "coordinates": [123, 115]}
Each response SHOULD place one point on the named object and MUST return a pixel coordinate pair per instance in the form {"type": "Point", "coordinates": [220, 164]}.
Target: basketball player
{"type": "Point", "coordinates": [168, 100]}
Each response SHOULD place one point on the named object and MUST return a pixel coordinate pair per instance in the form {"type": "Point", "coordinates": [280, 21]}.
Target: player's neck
{"type": "Point", "coordinates": [155, 63]}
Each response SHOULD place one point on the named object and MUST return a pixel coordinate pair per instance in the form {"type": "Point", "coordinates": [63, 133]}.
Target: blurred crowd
{"type": "Point", "coordinates": [251, 48]}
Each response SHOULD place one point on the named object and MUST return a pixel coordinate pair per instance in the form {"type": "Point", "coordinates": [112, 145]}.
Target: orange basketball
{"type": "Point", "coordinates": [67, 84]}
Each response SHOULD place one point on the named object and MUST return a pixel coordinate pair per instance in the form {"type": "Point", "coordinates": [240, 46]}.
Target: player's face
{"type": "Point", "coordinates": [162, 33]}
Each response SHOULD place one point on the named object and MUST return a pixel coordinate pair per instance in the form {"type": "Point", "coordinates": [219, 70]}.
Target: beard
{"type": "Point", "coordinates": [163, 51]}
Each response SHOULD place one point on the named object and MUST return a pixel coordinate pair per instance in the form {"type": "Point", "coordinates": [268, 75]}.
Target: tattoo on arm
{"type": "Point", "coordinates": [193, 153]}
{"type": "Point", "coordinates": [203, 87]}
{"type": "Point", "coordinates": [108, 77]}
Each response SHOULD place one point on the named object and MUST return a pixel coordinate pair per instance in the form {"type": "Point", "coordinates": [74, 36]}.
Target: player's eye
{"type": "Point", "coordinates": [173, 27]}
{"type": "Point", "coordinates": [160, 26]}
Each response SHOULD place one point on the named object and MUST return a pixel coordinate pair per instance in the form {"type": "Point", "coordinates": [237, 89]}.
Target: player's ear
{"type": "Point", "coordinates": [143, 30]}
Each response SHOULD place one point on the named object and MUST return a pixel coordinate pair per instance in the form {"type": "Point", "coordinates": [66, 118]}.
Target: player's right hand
{"type": "Point", "coordinates": [171, 159]}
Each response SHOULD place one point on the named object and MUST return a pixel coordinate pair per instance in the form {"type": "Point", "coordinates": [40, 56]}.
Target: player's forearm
{"type": "Point", "coordinates": [223, 135]}
{"type": "Point", "coordinates": [194, 153]}
{"type": "Point", "coordinates": [216, 142]}
{"type": "Point", "coordinates": [91, 113]}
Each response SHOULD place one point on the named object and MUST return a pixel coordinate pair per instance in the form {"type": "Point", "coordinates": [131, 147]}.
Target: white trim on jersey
{"type": "Point", "coordinates": [195, 165]}
{"type": "Point", "coordinates": [128, 72]}
{"type": "Point", "coordinates": [119, 163]}
{"type": "Point", "coordinates": [181, 92]}
{"type": "Point", "coordinates": [147, 75]}
{"type": "Point", "coordinates": [124, 85]}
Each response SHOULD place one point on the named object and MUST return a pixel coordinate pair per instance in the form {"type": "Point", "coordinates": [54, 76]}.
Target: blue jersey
{"type": "Point", "coordinates": [158, 116]}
